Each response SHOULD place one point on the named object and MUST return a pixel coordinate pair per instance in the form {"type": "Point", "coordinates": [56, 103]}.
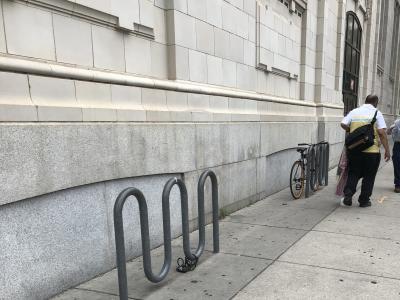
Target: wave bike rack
{"type": "Point", "coordinates": [318, 164]}
{"type": "Point", "coordinates": [144, 228]}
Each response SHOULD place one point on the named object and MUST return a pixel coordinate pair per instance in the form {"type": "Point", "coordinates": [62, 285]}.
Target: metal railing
{"type": "Point", "coordinates": [317, 168]}
{"type": "Point", "coordinates": [144, 228]}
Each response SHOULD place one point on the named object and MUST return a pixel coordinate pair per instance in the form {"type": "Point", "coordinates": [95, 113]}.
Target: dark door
{"type": "Point", "coordinates": [351, 70]}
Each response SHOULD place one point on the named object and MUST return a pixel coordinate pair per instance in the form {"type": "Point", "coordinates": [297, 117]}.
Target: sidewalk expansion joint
{"type": "Point", "coordinates": [336, 269]}
{"type": "Point", "coordinates": [366, 213]}
{"type": "Point", "coordinates": [102, 292]}
{"type": "Point", "coordinates": [356, 235]}
{"type": "Point", "coordinates": [265, 225]}
{"type": "Point", "coordinates": [242, 255]}
{"type": "Point", "coordinates": [273, 261]}
{"type": "Point", "coordinates": [251, 280]}
{"type": "Point", "coordinates": [277, 259]}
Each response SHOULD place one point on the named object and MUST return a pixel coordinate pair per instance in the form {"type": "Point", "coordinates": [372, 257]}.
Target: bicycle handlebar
{"type": "Point", "coordinates": [307, 144]}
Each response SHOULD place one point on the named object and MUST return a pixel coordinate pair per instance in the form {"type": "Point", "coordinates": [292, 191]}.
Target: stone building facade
{"type": "Point", "coordinates": [96, 96]}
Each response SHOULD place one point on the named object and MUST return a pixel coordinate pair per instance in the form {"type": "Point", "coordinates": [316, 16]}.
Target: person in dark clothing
{"type": "Point", "coordinates": [366, 163]}
{"type": "Point", "coordinates": [394, 130]}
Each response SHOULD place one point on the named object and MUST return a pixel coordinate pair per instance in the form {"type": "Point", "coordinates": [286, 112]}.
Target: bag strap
{"type": "Point", "coordinates": [374, 118]}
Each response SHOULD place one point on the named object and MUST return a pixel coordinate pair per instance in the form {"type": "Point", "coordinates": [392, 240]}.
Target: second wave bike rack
{"type": "Point", "coordinates": [318, 163]}
{"type": "Point", "coordinates": [144, 228]}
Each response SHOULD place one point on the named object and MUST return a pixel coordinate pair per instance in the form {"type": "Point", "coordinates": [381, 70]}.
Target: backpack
{"type": "Point", "coordinates": [362, 138]}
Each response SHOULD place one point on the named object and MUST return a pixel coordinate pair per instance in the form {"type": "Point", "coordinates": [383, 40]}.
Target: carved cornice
{"type": "Point", "coordinates": [301, 3]}
{"type": "Point", "coordinates": [90, 14]}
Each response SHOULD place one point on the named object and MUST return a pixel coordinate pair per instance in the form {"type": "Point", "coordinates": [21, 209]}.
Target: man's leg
{"type": "Point", "coordinates": [396, 165]}
{"type": "Point", "coordinates": [354, 175]}
{"type": "Point", "coordinates": [371, 165]}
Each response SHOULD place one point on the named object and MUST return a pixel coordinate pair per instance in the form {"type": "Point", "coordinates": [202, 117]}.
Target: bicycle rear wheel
{"type": "Point", "coordinates": [297, 179]}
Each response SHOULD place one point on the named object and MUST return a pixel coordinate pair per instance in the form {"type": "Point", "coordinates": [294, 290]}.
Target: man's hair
{"type": "Point", "coordinates": [372, 99]}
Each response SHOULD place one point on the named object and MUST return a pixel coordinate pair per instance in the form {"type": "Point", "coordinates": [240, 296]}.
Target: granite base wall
{"type": "Point", "coordinates": [59, 239]}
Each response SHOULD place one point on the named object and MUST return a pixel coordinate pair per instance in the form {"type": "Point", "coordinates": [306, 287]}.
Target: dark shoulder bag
{"type": "Point", "coordinates": [362, 138]}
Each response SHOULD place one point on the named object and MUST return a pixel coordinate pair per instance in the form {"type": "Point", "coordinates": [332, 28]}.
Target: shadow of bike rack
{"type": "Point", "coordinates": [317, 165]}
{"type": "Point", "coordinates": [144, 228]}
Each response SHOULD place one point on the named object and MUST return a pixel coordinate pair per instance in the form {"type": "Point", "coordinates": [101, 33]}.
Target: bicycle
{"type": "Point", "coordinates": [298, 171]}
{"type": "Point", "coordinates": [312, 156]}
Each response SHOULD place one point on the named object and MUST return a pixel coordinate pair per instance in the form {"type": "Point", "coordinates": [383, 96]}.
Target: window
{"type": "Point", "coordinates": [395, 42]}
{"type": "Point", "coordinates": [352, 53]}
{"type": "Point", "coordinates": [278, 43]}
{"type": "Point", "coordinates": [382, 33]}
{"type": "Point", "coordinates": [291, 5]}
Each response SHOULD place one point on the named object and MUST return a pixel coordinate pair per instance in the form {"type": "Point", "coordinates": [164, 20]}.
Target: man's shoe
{"type": "Point", "coordinates": [345, 201]}
{"type": "Point", "coordinates": [397, 189]}
{"type": "Point", "coordinates": [367, 204]}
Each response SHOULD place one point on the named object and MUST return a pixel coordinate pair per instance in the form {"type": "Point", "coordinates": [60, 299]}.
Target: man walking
{"type": "Point", "coordinates": [394, 130]}
{"type": "Point", "coordinates": [364, 164]}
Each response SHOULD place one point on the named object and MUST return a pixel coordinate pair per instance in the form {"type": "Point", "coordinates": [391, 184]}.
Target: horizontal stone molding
{"type": "Point", "coordinates": [43, 68]}
{"type": "Point", "coordinates": [330, 119]}
{"type": "Point", "coordinates": [33, 113]}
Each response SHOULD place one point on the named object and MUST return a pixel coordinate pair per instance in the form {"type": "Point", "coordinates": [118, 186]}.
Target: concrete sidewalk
{"type": "Point", "coordinates": [279, 248]}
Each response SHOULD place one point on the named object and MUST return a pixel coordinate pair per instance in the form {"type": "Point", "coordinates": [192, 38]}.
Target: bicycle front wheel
{"type": "Point", "coordinates": [297, 179]}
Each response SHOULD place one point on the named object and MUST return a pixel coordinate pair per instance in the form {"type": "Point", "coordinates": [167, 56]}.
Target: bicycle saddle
{"type": "Point", "coordinates": [301, 149]}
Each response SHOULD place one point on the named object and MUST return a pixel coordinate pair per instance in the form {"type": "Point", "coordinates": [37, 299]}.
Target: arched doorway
{"type": "Point", "coordinates": [351, 70]}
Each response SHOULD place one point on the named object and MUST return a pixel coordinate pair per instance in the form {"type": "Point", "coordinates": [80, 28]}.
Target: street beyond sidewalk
{"type": "Point", "coordinates": [279, 248]}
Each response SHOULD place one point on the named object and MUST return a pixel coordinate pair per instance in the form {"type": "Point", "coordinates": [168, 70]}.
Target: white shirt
{"type": "Point", "coordinates": [361, 116]}
{"type": "Point", "coordinates": [365, 113]}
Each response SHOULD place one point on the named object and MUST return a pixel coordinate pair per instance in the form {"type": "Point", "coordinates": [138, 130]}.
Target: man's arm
{"type": "Point", "coordinates": [345, 124]}
{"type": "Point", "coordinates": [384, 141]}
{"type": "Point", "coordinates": [345, 127]}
